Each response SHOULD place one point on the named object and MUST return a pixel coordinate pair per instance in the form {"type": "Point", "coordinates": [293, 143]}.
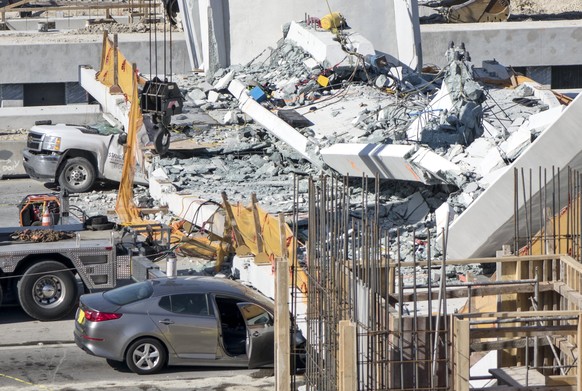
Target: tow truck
{"type": "Point", "coordinates": [46, 277]}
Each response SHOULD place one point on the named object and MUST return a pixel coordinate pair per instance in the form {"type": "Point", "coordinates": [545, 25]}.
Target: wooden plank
{"type": "Point", "coordinates": [519, 376]}
{"type": "Point", "coordinates": [462, 354]}
{"type": "Point", "coordinates": [532, 388]}
{"type": "Point", "coordinates": [282, 324]}
{"type": "Point", "coordinates": [514, 314]}
{"type": "Point", "coordinates": [579, 361]}
{"type": "Point", "coordinates": [505, 344]}
{"type": "Point", "coordinates": [260, 247]}
{"type": "Point", "coordinates": [454, 292]}
{"type": "Point", "coordinates": [527, 331]}
{"type": "Point", "coordinates": [347, 357]}
{"type": "Point", "coordinates": [15, 5]}
{"type": "Point", "coordinates": [471, 261]}
{"type": "Point", "coordinates": [232, 222]}
{"type": "Point", "coordinates": [573, 297]}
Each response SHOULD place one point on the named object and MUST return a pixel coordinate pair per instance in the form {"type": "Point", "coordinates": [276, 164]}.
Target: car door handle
{"type": "Point", "coordinates": [166, 321]}
{"type": "Point", "coordinates": [256, 334]}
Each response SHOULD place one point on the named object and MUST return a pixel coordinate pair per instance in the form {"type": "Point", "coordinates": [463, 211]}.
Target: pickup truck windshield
{"type": "Point", "coordinates": [104, 129]}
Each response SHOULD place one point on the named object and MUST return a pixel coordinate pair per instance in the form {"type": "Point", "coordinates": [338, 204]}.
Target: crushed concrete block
{"type": "Point", "coordinates": [491, 162]}
{"type": "Point", "coordinates": [416, 208]}
{"type": "Point", "coordinates": [516, 143]}
{"type": "Point", "coordinates": [230, 118]}
{"type": "Point", "coordinates": [213, 96]}
{"type": "Point", "coordinates": [436, 166]}
{"type": "Point", "coordinates": [311, 64]}
{"type": "Point", "coordinates": [381, 81]}
{"type": "Point", "coordinates": [479, 147]}
{"type": "Point", "coordinates": [538, 122]}
{"type": "Point", "coordinates": [495, 69]}
{"type": "Point", "coordinates": [196, 94]}
{"type": "Point", "coordinates": [442, 102]}
{"type": "Point", "coordinates": [323, 47]}
{"type": "Point", "coordinates": [223, 83]}
{"type": "Point", "coordinates": [205, 86]}
{"type": "Point", "coordinates": [471, 187]}
{"type": "Point", "coordinates": [444, 215]}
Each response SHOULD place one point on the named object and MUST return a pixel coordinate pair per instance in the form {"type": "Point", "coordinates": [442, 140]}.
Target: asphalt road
{"type": "Point", "coordinates": [12, 191]}
{"type": "Point", "coordinates": [38, 355]}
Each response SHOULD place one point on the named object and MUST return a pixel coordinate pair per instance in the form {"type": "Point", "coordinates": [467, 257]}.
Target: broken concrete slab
{"type": "Point", "coordinates": [271, 122]}
{"type": "Point", "coordinates": [400, 162]}
{"type": "Point", "coordinates": [558, 146]}
{"type": "Point", "coordinates": [184, 205]}
{"type": "Point", "coordinates": [325, 49]}
{"type": "Point", "coordinates": [441, 103]}
{"type": "Point", "coordinates": [538, 122]}
{"type": "Point", "coordinates": [516, 143]}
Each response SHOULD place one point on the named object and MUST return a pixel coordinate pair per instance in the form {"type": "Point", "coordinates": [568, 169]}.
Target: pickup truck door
{"type": "Point", "coordinates": [113, 167]}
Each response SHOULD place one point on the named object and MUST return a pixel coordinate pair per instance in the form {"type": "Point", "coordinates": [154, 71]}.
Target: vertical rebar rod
{"type": "Point", "coordinates": [400, 311]}
{"type": "Point", "coordinates": [414, 335]}
{"type": "Point", "coordinates": [554, 230]}
{"type": "Point", "coordinates": [430, 337]}
{"type": "Point", "coordinates": [556, 210]}
{"type": "Point", "coordinates": [516, 209]}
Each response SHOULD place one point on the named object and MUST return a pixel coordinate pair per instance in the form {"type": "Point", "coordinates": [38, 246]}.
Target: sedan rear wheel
{"type": "Point", "coordinates": [146, 356]}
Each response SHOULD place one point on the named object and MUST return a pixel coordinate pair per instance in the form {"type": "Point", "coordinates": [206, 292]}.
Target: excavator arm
{"type": "Point", "coordinates": [471, 11]}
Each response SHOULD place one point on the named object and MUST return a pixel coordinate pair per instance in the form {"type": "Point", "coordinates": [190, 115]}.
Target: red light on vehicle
{"type": "Point", "coordinates": [96, 316]}
{"type": "Point", "coordinates": [92, 339]}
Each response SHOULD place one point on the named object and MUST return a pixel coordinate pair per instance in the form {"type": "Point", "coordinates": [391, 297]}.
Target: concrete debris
{"type": "Point", "coordinates": [444, 140]}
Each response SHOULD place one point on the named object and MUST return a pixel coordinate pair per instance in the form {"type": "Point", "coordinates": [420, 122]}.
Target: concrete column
{"type": "Point", "coordinates": [408, 33]}
{"type": "Point", "coordinates": [213, 32]}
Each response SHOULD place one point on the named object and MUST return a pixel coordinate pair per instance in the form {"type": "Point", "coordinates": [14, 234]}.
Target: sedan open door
{"type": "Point", "coordinates": [260, 334]}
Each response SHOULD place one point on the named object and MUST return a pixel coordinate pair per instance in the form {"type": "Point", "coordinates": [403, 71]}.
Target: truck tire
{"type": "Point", "coordinates": [77, 175]}
{"type": "Point", "coordinates": [47, 291]}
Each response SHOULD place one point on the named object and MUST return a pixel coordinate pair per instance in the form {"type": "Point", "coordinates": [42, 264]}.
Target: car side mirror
{"type": "Point", "coordinates": [122, 139]}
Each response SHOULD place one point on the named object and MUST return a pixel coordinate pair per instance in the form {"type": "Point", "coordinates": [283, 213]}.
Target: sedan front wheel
{"type": "Point", "coordinates": [146, 356]}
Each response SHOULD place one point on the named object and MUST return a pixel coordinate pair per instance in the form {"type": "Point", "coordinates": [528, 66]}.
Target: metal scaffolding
{"type": "Point", "coordinates": [407, 338]}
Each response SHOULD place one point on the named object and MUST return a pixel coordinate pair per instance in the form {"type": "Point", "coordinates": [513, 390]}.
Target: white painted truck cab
{"type": "Point", "coordinates": [76, 156]}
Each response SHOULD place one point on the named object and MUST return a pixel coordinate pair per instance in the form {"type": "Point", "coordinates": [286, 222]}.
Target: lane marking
{"type": "Point", "coordinates": [24, 382]}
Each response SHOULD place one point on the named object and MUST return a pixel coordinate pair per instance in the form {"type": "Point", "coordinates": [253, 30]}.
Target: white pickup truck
{"type": "Point", "coordinates": [77, 156]}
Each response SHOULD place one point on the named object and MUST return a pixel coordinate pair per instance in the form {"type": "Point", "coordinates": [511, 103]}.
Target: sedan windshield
{"type": "Point", "coordinates": [129, 293]}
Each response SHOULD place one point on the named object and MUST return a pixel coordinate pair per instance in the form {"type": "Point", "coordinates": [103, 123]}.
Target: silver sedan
{"type": "Point", "coordinates": [179, 321]}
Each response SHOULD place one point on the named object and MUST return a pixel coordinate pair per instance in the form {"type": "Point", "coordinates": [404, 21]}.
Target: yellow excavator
{"type": "Point", "coordinates": [471, 11]}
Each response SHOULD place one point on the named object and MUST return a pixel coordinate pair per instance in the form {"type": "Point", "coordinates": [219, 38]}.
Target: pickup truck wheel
{"type": "Point", "coordinates": [47, 291]}
{"type": "Point", "coordinates": [146, 356]}
{"type": "Point", "coordinates": [78, 175]}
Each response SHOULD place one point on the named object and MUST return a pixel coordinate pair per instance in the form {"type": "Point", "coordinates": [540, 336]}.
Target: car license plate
{"type": "Point", "coordinates": [81, 316]}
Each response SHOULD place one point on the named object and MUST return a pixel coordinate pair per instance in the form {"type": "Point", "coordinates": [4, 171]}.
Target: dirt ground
{"type": "Point", "coordinates": [549, 7]}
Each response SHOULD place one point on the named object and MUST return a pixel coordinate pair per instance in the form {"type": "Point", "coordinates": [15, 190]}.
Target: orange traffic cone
{"type": "Point", "coordinates": [46, 218]}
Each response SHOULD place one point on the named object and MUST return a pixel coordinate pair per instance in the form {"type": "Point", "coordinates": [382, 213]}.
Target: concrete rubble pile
{"type": "Point", "coordinates": [479, 128]}
{"type": "Point", "coordinates": [258, 125]}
